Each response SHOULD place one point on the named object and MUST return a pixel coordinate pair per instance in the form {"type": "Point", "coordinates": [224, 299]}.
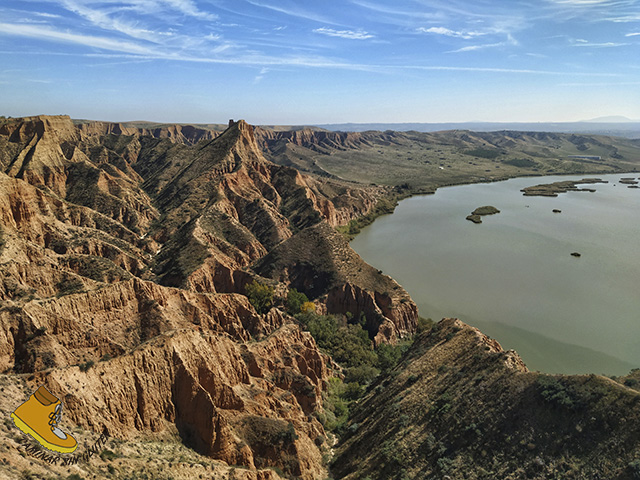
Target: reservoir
{"type": "Point", "coordinates": [513, 275]}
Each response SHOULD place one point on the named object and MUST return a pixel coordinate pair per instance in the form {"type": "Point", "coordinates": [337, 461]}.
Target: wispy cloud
{"type": "Point", "coordinates": [601, 84]}
{"type": "Point", "coordinates": [293, 9]}
{"type": "Point", "coordinates": [451, 33]}
{"type": "Point", "coordinates": [471, 48]}
{"type": "Point", "coordinates": [391, 14]}
{"type": "Point", "coordinates": [600, 45]}
{"type": "Point", "coordinates": [536, 55]}
{"type": "Point", "coordinates": [134, 51]}
{"type": "Point", "coordinates": [581, 2]}
{"type": "Point", "coordinates": [45, 15]}
{"type": "Point", "coordinates": [261, 75]}
{"type": "Point", "coordinates": [150, 8]}
{"type": "Point", "coordinates": [188, 7]}
{"type": "Point", "coordinates": [46, 33]}
{"type": "Point", "coordinates": [594, 11]}
{"type": "Point", "coordinates": [624, 18]}
{"type": "Point", "coordinates": [102, 19]}
{"type": "Point", "coordinates": [507, 70]}
{"type": "Point", "coordinates": [633, 34]}
{"type": "Point", "coordinates": [349, 34]}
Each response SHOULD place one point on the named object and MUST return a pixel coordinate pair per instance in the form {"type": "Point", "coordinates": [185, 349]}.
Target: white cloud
{"type": "Point", "coordinates": [624, 19]}
{"type": "Point", "coordinates": [158, 8]}
{"type": "Point", "coordinates": [261, 75]}
{"type": "Point", "coordinates": [451, 33]}
{"type": "Point", "coordinates": [188, 7]}
{"type": "Point", "coordinates": [46, 15]}
{"type": "Point", "coordinates": [580, 3]}
{"type": "Point", "coordinates": [103, 20]}
{"type": "Point", "coordinates": [509, 42]}
{"type": "Point", "coordinates": [349, 34]}
{"type": "Point", "coordinates": [45, 33]}
{"type": "Point", "coordinates": [472, 48]}
{"type": "Point", "coordinates": [601, 45]}
{"type": "Point", "coordinates": [634, 34]}
{"type": "Point", "coordinates": [603, 84]}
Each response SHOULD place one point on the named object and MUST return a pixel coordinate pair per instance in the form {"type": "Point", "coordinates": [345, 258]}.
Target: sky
{"type": "Point", "coordinates": [312, 62]}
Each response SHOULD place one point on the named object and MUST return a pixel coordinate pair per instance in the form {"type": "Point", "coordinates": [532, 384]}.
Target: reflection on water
{"type": "Point", "coordinates": [514, 277]}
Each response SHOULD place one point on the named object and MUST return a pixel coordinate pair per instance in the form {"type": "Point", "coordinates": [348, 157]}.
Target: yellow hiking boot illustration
{"type": "Point", "coordinates": [39, 417]}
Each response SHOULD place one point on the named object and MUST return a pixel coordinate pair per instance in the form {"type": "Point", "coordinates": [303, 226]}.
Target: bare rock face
{"type": "Point", "coordinates": [201, 382]}
{"type": "Point", "coordinates": [124, 254]}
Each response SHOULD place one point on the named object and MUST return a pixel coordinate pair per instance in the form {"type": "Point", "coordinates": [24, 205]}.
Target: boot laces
{"type": "Point", "coordinates": [54, 418]}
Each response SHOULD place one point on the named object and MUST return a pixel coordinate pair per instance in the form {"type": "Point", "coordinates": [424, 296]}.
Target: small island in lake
{"type": "Point", "coordinates": [476, 215]}
{"type": "Point", "coordinates": [553, 189]}
{"type": "Point", "coordinates": [628, 181]}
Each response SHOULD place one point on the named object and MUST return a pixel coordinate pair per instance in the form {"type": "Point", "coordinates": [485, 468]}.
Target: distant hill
{"type": "Point", "coordinates": [611, 119]}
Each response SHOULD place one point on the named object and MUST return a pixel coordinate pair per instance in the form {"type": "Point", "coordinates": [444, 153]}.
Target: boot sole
{"type": "Point", "coordinates": [30, 431]}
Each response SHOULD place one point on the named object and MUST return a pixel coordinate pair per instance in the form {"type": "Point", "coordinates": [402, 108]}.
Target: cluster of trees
{"type": "Point", "coordinates": [261, 296]}
{"type": "Point", "coordinates": [346, 341]}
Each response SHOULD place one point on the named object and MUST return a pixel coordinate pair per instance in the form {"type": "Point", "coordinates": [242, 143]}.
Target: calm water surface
{"type": "Point", "coordinates": [513, 276]}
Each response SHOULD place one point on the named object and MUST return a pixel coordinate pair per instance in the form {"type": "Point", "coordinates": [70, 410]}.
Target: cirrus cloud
{"type": "Point", "coordinates": [348, 34]}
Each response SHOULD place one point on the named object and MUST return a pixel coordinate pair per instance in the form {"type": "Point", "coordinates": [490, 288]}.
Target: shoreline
{"type": "Point", "coordinates": [612, 179]}
{"type": "Point", "coordinates": [350, 232]}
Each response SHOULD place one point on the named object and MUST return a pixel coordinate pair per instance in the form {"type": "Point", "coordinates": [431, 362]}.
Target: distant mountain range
{"type": "Point", "coordinates": [614, 126]}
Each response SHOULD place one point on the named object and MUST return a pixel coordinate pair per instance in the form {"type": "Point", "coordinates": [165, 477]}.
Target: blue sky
{"type": "Point", "coordinates": [305, 62]}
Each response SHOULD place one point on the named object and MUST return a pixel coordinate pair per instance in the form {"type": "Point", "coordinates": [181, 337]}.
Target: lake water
{"type": "Point", "coordinates": [513, 276]}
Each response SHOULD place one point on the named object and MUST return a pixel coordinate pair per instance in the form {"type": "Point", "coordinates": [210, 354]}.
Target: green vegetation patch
{"type": "Point", "coordinates": [384, 206]}
{"type": "Point", "coordinates": [69, 285]}
{"type": "Point", "coordinates": [260, 296]}
{"type": "Point", "coordinates": [521, 162]}
{"type": "Point", "coordinates": [295, 301]}
{"type": "Point", "coordinates": [350, 346]}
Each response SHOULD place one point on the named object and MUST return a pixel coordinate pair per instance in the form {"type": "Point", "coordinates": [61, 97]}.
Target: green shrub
{"type": "Point", "coordinates": [260, 296]}
{"type": "Point", "coordinates": [295, 300]}
{"type": "Point", "coordinates": [69, 285]}
{"type": "Point", "coordinates": [390, 355]}
{"type": "Point", "coordinates": [84, 367]}
{"type": "Point", "coordinates": [107, 454]}
{"type": "Point", "coordinates": [554, 392]}
{"type": "Point", "coordinates": [424, 325]}
{"type": "Point", "coordinates": [362, 374]}
{"type": "Point", "coordinates": [521, 162]}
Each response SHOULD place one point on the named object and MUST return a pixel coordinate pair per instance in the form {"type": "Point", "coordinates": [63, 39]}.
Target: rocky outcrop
{"type": "Point", "coordinates": [319, 262]}
{"type": "Point", "coordinates": [211, 388]}
{"type": "Point", "coordinates": [323, 140]}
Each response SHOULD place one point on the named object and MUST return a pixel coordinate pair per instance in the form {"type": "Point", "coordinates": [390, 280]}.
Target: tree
{"type": "Point", "coordinates": [308, 307]}
{"type": "Point", "coordinates": [260, 296]}
{"type": "Point", "coordinates": [295, 300]}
